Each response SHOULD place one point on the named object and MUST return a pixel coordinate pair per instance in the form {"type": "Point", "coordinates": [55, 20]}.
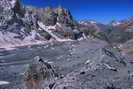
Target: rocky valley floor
{"type": "Point", "coordinates": [79, 65]}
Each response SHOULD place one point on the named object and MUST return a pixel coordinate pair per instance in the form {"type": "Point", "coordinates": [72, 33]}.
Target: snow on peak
{"type": "Point", "coordinates": [116, 23]}
{"type": "Point", "coordinates": [46, 28]}
{"type": "Point", "coordinates": [86, 22]}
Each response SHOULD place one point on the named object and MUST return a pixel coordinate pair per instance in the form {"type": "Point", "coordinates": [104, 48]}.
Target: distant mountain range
{"type": "Point", "coordinates": [24, 25]}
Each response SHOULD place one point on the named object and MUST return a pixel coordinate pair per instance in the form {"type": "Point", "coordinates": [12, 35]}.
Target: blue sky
{"type": "Point", "coordinates": [99, 10]}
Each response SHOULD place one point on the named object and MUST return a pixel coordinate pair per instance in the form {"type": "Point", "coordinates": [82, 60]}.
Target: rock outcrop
{"type": "Point", "coordinates": [19, 24]}
{"type": "Point", "coordinates": [41, 75]}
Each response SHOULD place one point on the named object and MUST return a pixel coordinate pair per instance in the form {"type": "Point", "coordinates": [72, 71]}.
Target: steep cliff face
{"type": "Point", "coordinates": [19, 24]}
{"type": "Point", "coordinates": [51, 16]}
{"type": "Point", "coordinates": [61, 19]}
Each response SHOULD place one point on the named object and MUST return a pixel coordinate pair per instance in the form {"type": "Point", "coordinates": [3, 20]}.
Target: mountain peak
{"type": "Point", "coordinates": [86, 22]}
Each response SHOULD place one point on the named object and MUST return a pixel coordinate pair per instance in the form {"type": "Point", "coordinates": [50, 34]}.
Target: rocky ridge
{"type": "Point", "coordinates": [19, 25]}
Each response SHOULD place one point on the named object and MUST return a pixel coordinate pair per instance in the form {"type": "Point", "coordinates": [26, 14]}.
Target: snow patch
{"type": "Point", "coordinates": [87, 22]}
{"type": "Point", "coordinates": [13, 3]}
{"type": "Point", "coordinates": [93, 22]}
{"type": "Point", "coordinates": [116, 23]}
{"type": "Point", "coordinates": [87, 62]}
{"type": "Point", "coordinates": [8, 42]}
{"type": "Point", "coordinates": [58, 24]}
{"type": "Point", "coordinates": [4, 82]}
{"type": "Point", "coordinates": [32, 36]}
{"type": "Point", "coordinates": [46, 28]}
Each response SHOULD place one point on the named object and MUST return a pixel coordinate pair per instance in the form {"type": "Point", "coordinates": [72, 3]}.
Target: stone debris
{"type": "Point", "coordinates": [87, 68]}
{"type": "Point", "coordinates": [41, 75]}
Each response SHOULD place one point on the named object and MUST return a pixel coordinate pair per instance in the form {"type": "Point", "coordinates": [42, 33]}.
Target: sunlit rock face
{"type": "Point", "coordinates": [6, 12]}
{"type": "Point", "coordinates": [51, 16]}
{"type": "Point", "coordinates": [59, 17]}
{"type": "Point", "coordinates": [17, 25]}
{"type": "Point", "coordinates": [11, 9]}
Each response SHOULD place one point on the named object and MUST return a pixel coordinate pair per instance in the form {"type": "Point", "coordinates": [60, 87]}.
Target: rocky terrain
{"type": "Point", "coordinates": [20, 25]}
{"type": "Point", "coordinates": [51, 50]}
{"type": "Point", "coordinates": [92, 68]}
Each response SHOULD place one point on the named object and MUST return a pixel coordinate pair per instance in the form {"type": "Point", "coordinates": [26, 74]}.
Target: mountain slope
{"type": "Point", "coordinates": [122, 32]}
{"type": "Point", "coordinates": [19, 24]}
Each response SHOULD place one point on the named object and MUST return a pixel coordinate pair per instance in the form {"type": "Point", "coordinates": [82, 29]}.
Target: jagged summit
{"type": "Point", "coordinates": [19, 24]}
{"type": "Point", "coordinates": [86, 22]}
{"type": "Point", "coordinates": [51, 16]}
